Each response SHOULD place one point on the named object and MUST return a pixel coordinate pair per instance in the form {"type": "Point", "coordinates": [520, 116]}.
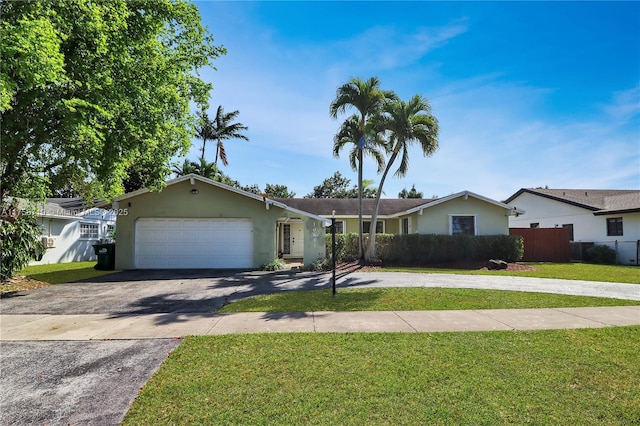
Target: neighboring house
{"type": "Point", "coordinates": [194, 222]}
{"type": "Point", "coordinates": [463, 212]}
{"type": "Point", "coordinates": [70, 229]}
{"type": "Point", "coordinates": [609, 217]}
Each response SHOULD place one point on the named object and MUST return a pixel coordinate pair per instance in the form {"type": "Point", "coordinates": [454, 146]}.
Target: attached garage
{"type": "Point", "coordinates": [197, 223]}
{"type": "Point", "coordinates": [166, 243]}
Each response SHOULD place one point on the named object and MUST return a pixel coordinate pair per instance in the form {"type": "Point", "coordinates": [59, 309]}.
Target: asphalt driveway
{"type": "Point", "coordinates": [94, 382]}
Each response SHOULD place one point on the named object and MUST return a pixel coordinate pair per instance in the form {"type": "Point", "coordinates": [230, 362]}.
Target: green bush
{"type": "Point", "coordinates": [601, 254]}
{"type": "Point", "coordinates": [276, 265]}
{"type": "Point", "coordinates": [21, 243]}
{"type": "Point", "coordinates": [421, 249]}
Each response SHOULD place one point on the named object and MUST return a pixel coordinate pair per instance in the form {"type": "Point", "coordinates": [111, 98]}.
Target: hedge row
{"type": "Point", "coordinates": [419, 249]}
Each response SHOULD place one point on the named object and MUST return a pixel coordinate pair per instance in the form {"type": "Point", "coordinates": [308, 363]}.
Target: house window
{"type": "Point", "coordinates": [405, 225]}
{"type": "Point", "coordinates": [570, 226]}
{"type": "Point", "coordinates": [366, 226]}
{"type": "Point", "coordinates": [534, 225]}
{"type": "Point", "coordinates": [614, 226]}
{"type": "Point", "coordinates": [339, 227]}
{"type": "Point", "coordinates": [89, 230]}
{"type": "Point", "coordinates": [463, 225]}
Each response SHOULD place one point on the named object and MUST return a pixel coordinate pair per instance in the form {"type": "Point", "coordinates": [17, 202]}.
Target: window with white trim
{"type": "Point", "coordinates": [405, 225]}
{"type": "Point", "coordinates": [89, 230]}
{"type": "Point", "coordinates": [463, 225]}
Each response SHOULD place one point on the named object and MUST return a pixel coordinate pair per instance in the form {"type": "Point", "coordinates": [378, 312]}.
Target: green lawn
{"type": "Point", "coordinates": [571, 377]}
{"type": "Point", "coordinates": [566, 271]}
{"type": "Point", "coordinates": [58, 273]}
{"type": "Point", "coordinates": [412, 299]}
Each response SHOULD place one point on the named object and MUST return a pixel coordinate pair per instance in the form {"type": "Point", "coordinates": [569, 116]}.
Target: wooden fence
{"type": "Point", "coordinates": [545, 244]}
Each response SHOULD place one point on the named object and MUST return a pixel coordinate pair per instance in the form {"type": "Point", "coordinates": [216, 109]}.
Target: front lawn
{"type": "Point", "coordinates": [413, 299]}
{"type": "Point", "coordinates": [578, 377]}
{"type": "Point", "coordinates": [58, 273]}
{"type": "Point", "coordinates": [55, 273]}
{"type": "Point", "coordinates": [565, 271]}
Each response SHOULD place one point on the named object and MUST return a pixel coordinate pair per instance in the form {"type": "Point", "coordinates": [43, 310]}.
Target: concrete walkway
{"type": "Point", "coordinates": [169, 325]}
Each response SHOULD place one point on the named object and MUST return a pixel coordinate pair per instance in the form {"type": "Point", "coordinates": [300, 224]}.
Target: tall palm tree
{"type": "Point", "coordinates": [406, 123]}
{"type": "Point", "coordinates": [350, 134]}
{"type": "Point", "coordinates": [221, 128]}
{"type": "Point", "coordinates": [205, 131]}
{"type": "Point", "coordinates": [367, 98]}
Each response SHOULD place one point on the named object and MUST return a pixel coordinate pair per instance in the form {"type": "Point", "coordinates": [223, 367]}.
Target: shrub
{"type": "Point", "coordinates": [321, 265]}
{"type": "Point", "coordinates": [21, 242]}
{"type": "Point", "coordinates": [601, 254]}
{"type": "Point", "coordinates": [421, 249]}
{"type": "Point", "coordinates": [276, 265]}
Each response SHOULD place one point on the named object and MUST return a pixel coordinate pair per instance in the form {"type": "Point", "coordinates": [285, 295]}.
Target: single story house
{"type": "Point", "coordinates": [70, 229]}
{"type": "Point", "coordinates": [463, 212]}
{"type": "Point", "coordinates": [195, 222]}
{"type": "Point", "coordinates": [608, 217]}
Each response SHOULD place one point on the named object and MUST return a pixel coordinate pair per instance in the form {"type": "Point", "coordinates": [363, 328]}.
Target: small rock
{"type": "Point", "coordinates": [494, 264]}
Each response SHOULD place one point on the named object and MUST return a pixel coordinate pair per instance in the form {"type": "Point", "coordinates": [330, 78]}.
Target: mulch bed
{"type": "Point", "coordinates": [19, 283]}
{"type": "Point", "coordinates": [466, 265]}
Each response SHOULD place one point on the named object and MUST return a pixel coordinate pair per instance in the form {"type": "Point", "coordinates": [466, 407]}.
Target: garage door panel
{"type": "Point", "coordinates": [193, 243]}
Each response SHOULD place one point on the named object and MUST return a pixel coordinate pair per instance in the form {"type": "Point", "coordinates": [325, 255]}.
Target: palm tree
{"type": "Point", "coordinates": [406, 123]}
{"type": "Point", "coordinates": [203, 168]}
{"type": "Point", "coordinates": [350, 133]}
{"type": "Point", "coordinates": [205, 132]}
{"type": "Point", "coordinates": [368, 99]}
{"type": "Point", "coordinates": [222, 128]}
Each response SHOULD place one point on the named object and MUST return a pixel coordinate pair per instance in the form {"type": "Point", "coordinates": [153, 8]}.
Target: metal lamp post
{"type": "Point", "coordinates": [333, 252]}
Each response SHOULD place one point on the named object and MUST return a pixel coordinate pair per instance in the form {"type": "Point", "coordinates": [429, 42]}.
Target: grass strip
{"type": "Point", "coordinates": [413, 299]}
{"type": "Point", "coordinates": [563, 271]}
{"type": "Point", "coordinates": [578, 377]}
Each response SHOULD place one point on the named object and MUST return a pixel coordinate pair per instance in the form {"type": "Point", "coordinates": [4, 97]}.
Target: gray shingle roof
{"type": "Point", "coordinates": [349, 206]}
{"type": "Point", "coordinates": [600, 201]}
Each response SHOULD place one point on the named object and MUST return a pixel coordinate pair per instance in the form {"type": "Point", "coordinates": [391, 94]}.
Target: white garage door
{"type": "Point", "coordinates": [193, 243]}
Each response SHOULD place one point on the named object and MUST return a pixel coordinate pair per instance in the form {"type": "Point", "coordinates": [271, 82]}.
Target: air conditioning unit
{"type": "Point", "coordinates": [48, 242]}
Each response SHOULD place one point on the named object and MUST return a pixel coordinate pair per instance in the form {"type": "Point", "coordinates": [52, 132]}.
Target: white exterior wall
{"type": "Point", "coordinates": [68, 246]}
{"type": "Point", "coordinates": [586, 226]}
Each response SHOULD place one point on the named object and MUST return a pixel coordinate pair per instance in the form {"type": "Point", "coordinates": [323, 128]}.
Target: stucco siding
{"type": "Point", "coordinates": [587, 227]}
{"type": "Point", "coordinates": [177, 201]}
{"type": "Point", "coordinates": [491, 219]}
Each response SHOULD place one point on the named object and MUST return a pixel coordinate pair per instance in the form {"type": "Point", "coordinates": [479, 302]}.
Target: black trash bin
{"type": "Point", "coordinates": [106, 256]}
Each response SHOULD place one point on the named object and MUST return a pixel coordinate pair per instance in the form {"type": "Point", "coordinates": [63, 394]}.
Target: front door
{"type": "Point", "coordinates": [293, 239]}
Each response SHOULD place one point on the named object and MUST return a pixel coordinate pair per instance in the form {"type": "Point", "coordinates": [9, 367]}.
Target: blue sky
{"type": "Point", "coordinates": [526, 93]}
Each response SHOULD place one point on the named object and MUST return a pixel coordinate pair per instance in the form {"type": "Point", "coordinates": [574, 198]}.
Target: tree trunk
{"type": "Point", "coordinates": [360, 226]}
{"type": "Point", "coordinates": [371, 246]}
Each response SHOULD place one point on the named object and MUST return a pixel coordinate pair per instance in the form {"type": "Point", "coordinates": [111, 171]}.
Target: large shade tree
{"type": "Point", "coordinates": [367, 98]}
{"type": "Point", "coordinates": [89, 88]}
{"type": "Point", "coordinates": [406, 124]}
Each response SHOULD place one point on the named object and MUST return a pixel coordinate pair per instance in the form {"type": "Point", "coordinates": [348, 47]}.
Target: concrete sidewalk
{"type": "Point", "coordinates": [105, 327]}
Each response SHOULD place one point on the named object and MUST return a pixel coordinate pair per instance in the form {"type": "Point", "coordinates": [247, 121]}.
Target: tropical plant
{"type": "Point", "coordinates": [20, 234]}
{"type": "Point", "coordinates": [366, 97]}
{"type": "Point", "coordinates": [220, 129]}
{"type": "Point", "coordinates": [202, 168]}
{"type": "Point", "coordinates": [406, 123]}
